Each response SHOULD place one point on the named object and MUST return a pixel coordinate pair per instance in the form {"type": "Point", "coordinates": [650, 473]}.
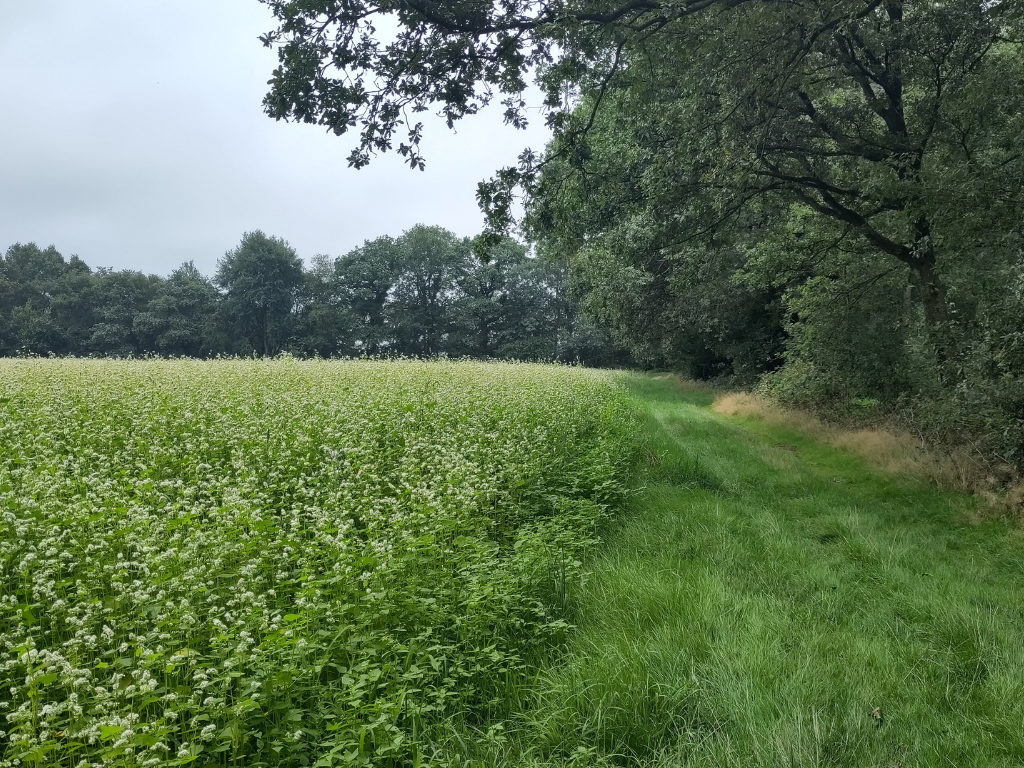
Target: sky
{"type": "Point", "coordinates": [133, 136]}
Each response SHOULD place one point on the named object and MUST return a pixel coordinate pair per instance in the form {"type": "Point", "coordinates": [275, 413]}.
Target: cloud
{"type": "Point", "coordinates": [134, 137]}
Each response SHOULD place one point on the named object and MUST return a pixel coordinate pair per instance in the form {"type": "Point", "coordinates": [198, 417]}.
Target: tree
{"type": "Point", "coordinates": [118, 298]}
{"type": "Point", "coordinates": [338, 67]}
{"type": "Point", "coordinates": [423, 293]}
{"type": "Point", "coordinates": [46, 302]}
{"type": "Point", "coordinates": [866, 115]}
{"type": "Point", "coordinates": [421, 310]}
{"type": "Point", "coordinates": [261, 278]}
{"type": "Point", "coordinates": [484, 290]}
{"type": "Point", "coordinates": [341, 67]}
{"type": "Point", "coordinates": [833, 129]}
{"type": "Point", "coordinates": [325, 323]}
{"type": "Point", "coordinates": [367, 276]}
{"type": "Point", "coordinates": [182, 318]}
{"type": "Point", "coordinates": [27, 277]}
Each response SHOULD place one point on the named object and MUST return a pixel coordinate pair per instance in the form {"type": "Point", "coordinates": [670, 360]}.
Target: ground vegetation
{"type": "Point", "coordinates": [287, 563]}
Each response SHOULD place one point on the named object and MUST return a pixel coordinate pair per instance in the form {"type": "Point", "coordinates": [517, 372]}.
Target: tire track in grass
{"type": "Point", "coordinates": [770, 601]}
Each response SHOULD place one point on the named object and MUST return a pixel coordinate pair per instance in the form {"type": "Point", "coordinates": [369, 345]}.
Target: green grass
{"type": "Point", "coordinates": [766, 594]}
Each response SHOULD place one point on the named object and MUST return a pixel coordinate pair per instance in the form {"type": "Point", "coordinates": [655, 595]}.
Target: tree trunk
{"type": "Point", "coordinates": [936, 310]}
{"type": "Point", "coordinates": [266, 332]}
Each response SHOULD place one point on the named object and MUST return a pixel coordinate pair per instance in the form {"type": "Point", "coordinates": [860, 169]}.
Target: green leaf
{"type": "Point", "coordinates": [110, 732]}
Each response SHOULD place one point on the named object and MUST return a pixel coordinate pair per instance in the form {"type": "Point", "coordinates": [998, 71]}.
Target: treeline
{"type": "Point", "coordinates": [424, 293]}
{"type": "Point", "coordinates": [823, 201]}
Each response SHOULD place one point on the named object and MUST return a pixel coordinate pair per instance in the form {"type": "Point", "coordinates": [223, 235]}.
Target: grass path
{"type": "Point", "coordinates": [772, 602]}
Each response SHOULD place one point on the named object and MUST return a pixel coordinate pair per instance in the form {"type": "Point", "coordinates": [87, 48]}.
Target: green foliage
{"type": "Point", "coordinates": [432, 263]}
{"type": "Point", "coordinates": [182, 319]}
{"type": "Point", "coordinates": [324, 319]}
{"type": "Point", "coordinates": [421, 294]}
{"type": "Point", "coordinates": [289, 563]}
{"type": "Point", "coordinates": [369, 275]}
{"type": "Point", "coordinates": [261, 278]}
{"type": "Point", "coordinates": [668, 297]}
{"type": "Point", "coordinates": [505, 301]}
{"type": "Point", "coordinates": [45, 301]}
{"type": "Point", "coordinates": [833, 189]}
{"type": "Point", "coordinates": [119, 297]}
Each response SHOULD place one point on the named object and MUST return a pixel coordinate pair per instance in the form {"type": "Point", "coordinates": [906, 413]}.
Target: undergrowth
{"type": "Point", "coordinates": [887, 447]}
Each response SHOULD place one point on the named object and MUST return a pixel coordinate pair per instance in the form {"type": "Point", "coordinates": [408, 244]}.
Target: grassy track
{"type": "Point", "coordinates": [768, 595]}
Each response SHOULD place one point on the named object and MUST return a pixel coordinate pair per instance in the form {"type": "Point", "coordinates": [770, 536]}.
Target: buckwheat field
{"type": "Point", "coordinates": [285, 563]}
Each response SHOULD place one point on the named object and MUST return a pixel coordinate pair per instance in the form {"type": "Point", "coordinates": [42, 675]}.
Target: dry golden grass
{"type": "Point", "coordinates": [890, 450]}
{"type": "Point", "coordinates": [689, 385]}
{"type": "Point", "coordinates": [683, 384]}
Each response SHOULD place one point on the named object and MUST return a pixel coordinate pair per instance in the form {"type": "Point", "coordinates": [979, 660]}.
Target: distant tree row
{"type": "Point", "coordinates": [423, 293]}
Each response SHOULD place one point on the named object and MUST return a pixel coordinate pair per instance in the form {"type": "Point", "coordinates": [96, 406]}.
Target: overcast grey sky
{"type": "Point", "coordinates": [133, 136]}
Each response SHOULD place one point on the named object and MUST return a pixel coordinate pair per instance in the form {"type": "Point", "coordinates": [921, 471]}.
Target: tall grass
{"type": "Point", "coordinates": [773, 602]}
{"type": "Point", "coordinates": [894, 451]}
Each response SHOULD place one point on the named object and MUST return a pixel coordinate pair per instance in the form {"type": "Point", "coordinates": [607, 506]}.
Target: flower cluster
{"type": "Point", "coordinates": [250, 562]}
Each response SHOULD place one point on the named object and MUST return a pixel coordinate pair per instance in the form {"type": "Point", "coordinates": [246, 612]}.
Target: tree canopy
{"type": "Point", "coordinates": [261, 278]}
{"type": "Point", "coordinates": [423, 293]}
{"type": "Point", "coordinates": [824, 201]}
{"type": "Point", "coordinates": [371, 66]}
{"type": "Point", "coordinates": [892, 131]}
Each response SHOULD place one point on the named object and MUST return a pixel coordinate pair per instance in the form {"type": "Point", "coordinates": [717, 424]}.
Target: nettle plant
{"type": "Point", "coordinates": [287, 563]}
